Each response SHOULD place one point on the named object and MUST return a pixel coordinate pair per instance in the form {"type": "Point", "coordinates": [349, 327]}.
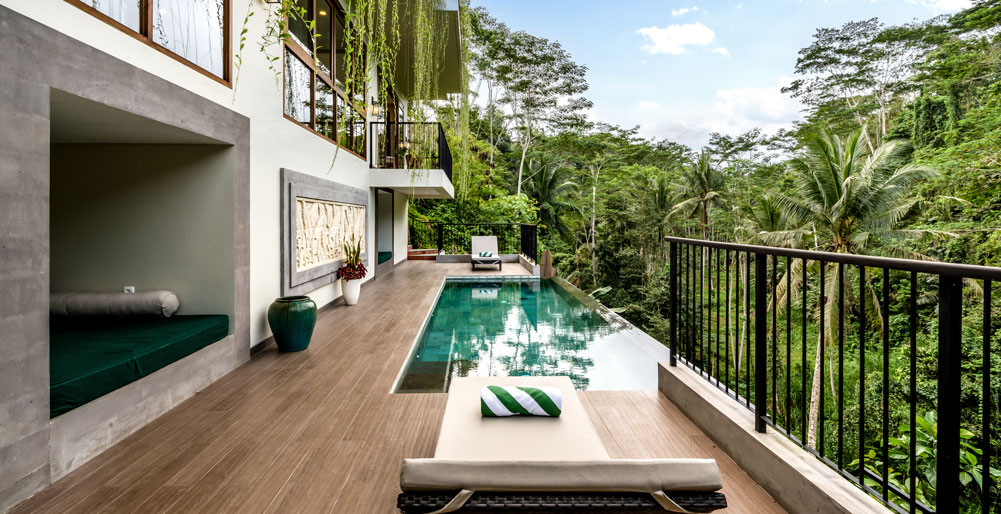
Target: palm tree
{"type": "Point", "coordinates": [846, 200]}
{"type": "Point", "coordinates": [553, 188]}
{"type": "Point", "coordinates": [700, 187]}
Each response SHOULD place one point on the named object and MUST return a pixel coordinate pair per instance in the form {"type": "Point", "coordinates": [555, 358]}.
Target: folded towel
{"type": "Point", "coordinates": [497, 401]}
{"type": "Point", "coordinates": [486, 254]}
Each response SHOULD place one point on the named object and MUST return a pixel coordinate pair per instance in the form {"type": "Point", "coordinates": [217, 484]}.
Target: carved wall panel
{"type": "Point", "coordinates": [317, 217]}
{"type": "Point", "coordinates": [322, 228]}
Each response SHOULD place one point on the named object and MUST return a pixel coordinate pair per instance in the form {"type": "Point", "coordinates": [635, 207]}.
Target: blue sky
{"type": "Point", "coordinates": [684, 68]}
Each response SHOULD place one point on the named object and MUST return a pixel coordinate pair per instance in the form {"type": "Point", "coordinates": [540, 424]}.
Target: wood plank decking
{"type": "Point", "coordinates": [318, 431]}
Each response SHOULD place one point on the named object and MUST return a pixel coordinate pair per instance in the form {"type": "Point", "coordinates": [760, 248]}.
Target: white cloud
{"type": "Point", "coordinates": [684, 10]}
{"type": "Point", "coordinates": [943, 5]}
{"type": "Point", "coordinates": [721, 50]}
{"type": "Point", "coordinates": [674, 38]}
{"type": "Point", "coordinates": [730, 111]}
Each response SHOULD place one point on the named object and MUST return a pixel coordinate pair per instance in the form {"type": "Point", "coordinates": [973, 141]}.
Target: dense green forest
{"type": "Point", "coordinates": [899, 154]}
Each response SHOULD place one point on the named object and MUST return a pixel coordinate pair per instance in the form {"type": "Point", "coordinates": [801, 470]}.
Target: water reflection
{"type": "Point", "coordinates": [515, 328]}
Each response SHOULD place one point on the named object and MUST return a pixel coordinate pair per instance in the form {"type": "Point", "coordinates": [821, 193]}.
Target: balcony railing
{"type": "Point", "coordinates": [456, 238]}
{"type": "Point", "coordinates": [756, 320]}
{"type": "Point", "coordinates": [410, 145]}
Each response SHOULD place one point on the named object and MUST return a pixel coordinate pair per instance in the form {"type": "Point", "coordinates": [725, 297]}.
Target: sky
{"type": "Point", "coordinates": [682, 69]}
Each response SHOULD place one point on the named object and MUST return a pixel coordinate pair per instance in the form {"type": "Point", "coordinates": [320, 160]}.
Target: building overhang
{"type": "Point", "coordinates": [431, 184]}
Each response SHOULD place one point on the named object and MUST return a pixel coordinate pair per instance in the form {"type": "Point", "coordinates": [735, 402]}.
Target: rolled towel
{"type": "Point", "coordinates": [500, 401]}
{"type": "Point", "coordinates": [486, 254]}
{"type": "Point", "coordinates": [155, 303]}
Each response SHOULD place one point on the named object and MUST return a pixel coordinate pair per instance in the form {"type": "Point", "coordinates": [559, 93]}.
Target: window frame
{"type": "Point", "coordinates": [306, 57]}
{"type": "Point", "coordinates": [144, 34]}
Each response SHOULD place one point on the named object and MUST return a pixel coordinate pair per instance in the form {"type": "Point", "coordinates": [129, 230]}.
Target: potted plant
{"type": "Point", "coordinates": [351, 272]}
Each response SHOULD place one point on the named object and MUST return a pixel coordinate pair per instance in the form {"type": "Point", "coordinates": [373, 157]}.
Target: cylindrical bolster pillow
{"type": "Point", "coordinates": [499, 401]}
{"type": "Point", "coordinates": [155, 303]}
{"type": "Point", "coordinates": [619, 475]}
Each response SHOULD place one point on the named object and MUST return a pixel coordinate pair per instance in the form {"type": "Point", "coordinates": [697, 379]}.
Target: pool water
{"type": "Point", "coordinates": [528, 326]}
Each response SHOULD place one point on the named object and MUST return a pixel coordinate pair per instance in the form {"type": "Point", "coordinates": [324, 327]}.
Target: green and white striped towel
{"type": "Point", "coordinates": [486, 254]}
{"type": "Point", "coordinates": [500, 401]}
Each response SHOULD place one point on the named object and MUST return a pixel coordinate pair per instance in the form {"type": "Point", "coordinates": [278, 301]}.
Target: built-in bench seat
{"type": "Point", "coordinates": [92, 356]}
{"type": "Point", "coordinates": [385, 256]}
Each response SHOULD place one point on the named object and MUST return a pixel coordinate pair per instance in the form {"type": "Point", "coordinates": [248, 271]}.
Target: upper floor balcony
{"type": "Point", "coordinates": [411, 157]}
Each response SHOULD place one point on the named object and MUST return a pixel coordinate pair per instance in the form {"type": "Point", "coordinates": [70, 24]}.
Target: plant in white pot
{"type": "Point", "coordinates": [351, 272]}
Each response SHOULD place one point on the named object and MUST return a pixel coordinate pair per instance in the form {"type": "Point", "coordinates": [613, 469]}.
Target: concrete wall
{"type": "Point", "coordinates": [35, 61]}
{"type": "Point", "coordinates": [150, 216]}
{"type": "Point", "coordinates": [277, 142]}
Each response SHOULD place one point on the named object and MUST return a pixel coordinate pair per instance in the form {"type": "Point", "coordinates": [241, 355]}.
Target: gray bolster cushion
{"type": "Point", "coordinates": [148, 303]}
{"type": "Point", "coordinates": [611, 475]}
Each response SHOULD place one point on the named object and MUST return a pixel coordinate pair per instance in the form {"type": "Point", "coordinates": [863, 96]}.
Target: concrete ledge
{"type": "Point", "coordinates": [529, 265]}
{"type": "Point", "coordinates": [84, 432]}
{"type": "Point", "coordinates": [794, 477]}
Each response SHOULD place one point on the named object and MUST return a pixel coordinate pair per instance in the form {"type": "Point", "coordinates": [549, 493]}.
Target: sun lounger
{"type": "Point", "coordinates": [482, 244]}
{"type": "Point", "coordinates": [542, 464]}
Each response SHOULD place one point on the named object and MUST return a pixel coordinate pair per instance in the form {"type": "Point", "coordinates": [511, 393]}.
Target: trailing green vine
{"type": "Point", "coordinates": [373, 41]}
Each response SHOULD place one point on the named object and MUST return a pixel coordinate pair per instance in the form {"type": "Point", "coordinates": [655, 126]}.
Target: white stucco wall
{"type": "Point", "coordinates": [275, 142]}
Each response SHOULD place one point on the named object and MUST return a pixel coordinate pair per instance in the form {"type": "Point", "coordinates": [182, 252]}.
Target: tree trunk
{"type": "Point", "coordinates": [815, 389]}
{"type": "Point", "coordinates": [594, 216]}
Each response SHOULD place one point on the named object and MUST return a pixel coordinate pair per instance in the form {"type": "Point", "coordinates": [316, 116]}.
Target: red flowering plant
{"type": "Point", "coordinates": [352, 269]}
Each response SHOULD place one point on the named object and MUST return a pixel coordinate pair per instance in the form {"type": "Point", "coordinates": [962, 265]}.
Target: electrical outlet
{"type": "Point", "coordinates": [129, 289]}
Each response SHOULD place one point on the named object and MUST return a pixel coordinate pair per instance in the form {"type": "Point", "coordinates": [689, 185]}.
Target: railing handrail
{"type": "Point", "coordinates": [932, 267]}
{"type": "Point", "coordinates": [405, 123]}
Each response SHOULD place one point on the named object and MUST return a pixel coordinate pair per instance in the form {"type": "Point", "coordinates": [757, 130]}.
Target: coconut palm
{"type": "Point", "coordinates": [846, 200]}
{"type": "Point", "coordinates": [701, 186]}
{"type": "Point", "coordinates": [554, 190]}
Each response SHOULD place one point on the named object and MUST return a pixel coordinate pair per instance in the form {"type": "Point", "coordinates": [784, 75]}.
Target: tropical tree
{"type": "Point", "coordinates": [849, 200]}
{"type": "Point", "coordinates": [701, 186]}
{"type": "Point", "coordinates": [554, 190]}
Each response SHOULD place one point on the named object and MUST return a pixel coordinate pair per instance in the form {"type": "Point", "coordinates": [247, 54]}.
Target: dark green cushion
{"type": "Point", "coordinates": [92, 356]}
{"type": "Point", "coordinates": [385, 256]}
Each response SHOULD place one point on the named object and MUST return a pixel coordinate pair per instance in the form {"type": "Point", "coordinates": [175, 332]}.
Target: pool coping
{"type": "Point", "coordinates": [645, 342]}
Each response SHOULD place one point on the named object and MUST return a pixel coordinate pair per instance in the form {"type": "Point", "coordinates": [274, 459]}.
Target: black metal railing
{"type": "Point", "coordinates": [410, 145]}
{"type": "Point", "coordinates": [456, 238]}
{"type": "Point", "coordinates": [838, 352]}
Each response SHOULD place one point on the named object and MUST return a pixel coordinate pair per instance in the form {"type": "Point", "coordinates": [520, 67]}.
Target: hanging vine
{"type": "Point", "coordinates": [373, 41]}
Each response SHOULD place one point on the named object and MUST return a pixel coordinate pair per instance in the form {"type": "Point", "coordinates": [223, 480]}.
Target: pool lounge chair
{"type": "Point", "coordinates": [486, 244]}
{"type": "Point", "coordinates": [537, 464]}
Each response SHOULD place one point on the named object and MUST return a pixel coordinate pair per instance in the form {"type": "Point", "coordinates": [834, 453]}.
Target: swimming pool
{"type": "Point", "coordinates": [516, 326]}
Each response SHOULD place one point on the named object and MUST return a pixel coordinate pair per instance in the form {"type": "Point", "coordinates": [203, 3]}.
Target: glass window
{"type": "Point", "coordinates": [340, 52]}
{"type": "Point", "coordinates": [325, 122]}
{"type": "Point", "coordinates": [124, 12]}
{"type": "Point", "coordinates": [192, 29]}
{"type": "Point", "coordinates": [298, 83]}
{"type": "Point", "coordinates": [297, 26]}
{"type": "Point", "coordinates": [324, 27]}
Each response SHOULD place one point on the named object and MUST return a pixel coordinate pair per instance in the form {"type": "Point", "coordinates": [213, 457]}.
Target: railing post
{"type": "Point", "coordinates": [441, 237]}
{"type": "Point", "coordinates": [673, 308]}
{"type": "Point", "coordinates": [760, 340]}
{"type": "Point", "coordinates": [950, 319]}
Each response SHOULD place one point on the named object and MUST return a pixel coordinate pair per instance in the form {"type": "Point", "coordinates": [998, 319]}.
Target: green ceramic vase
{"type": "Point", "coordinates": [292, 319]}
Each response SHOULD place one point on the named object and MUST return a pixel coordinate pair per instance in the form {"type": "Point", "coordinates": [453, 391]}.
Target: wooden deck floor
{"type": "Point", "coordinates": [318, 431]}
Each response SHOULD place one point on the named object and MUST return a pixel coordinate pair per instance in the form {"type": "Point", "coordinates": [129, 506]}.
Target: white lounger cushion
{"type": "Point", "coordinates": [485, 244]}
{"type": "Point", "coordinates": [467, 435]}
{"type": "Point", "coordinates": [154, 303]}
{"type": "Point", "coordinates": [611, 475]}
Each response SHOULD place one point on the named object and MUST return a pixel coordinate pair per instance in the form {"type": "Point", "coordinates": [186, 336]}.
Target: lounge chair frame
{"type": "Point", "coordinates": [485, 244]}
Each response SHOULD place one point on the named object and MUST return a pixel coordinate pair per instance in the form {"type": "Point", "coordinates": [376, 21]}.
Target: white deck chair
{"type": "Point", "coordinates": [486, 244]}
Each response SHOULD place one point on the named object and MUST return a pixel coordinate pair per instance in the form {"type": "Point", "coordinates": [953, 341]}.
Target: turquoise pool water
{"type": "Point", "coordinates": [516, 327]}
